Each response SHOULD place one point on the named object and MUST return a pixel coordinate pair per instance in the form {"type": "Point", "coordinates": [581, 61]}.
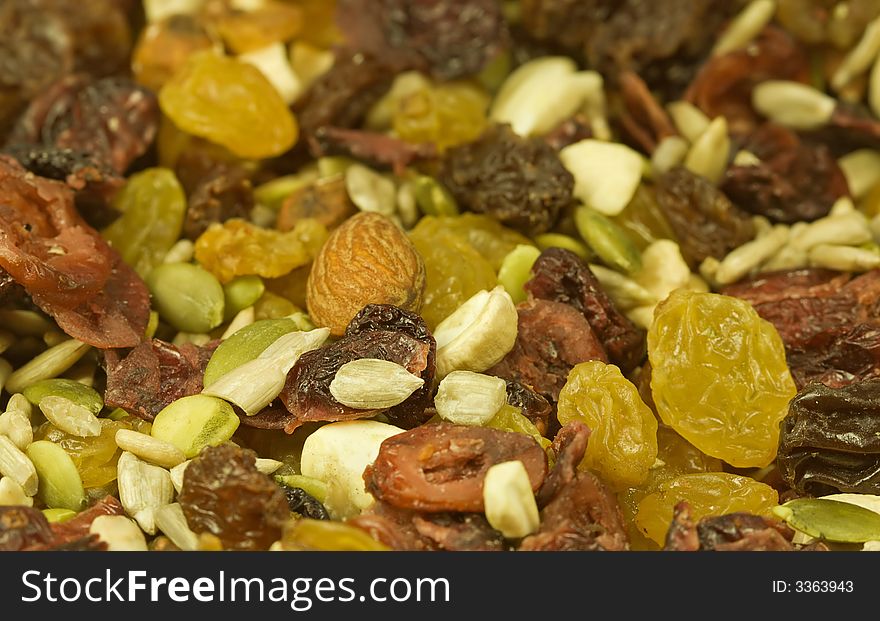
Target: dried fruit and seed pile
{"type": "Point", "coordinates": [440, 274]}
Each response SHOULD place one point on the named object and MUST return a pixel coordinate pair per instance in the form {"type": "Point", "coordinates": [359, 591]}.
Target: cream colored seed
{"type": "Point", "coordinates": [243, 318]}
{"type": "Point", "coordinates": [171, 521]}
{"type": "Point", "coordinates": [467, 398]}
{"type": "Point", "coordinates": [120, 533]}
{"type": "Point", "coordinates": [372, 384]}
{"type": "Point", "coordinates": [669, 153]}
{"type": "Point", "coordinates": [788, 257]}
{"type": "Point", "coordinates": [143, 488]}
{"type": "Point", "coordinates": [663, 269]}
{"type": "Point", "coordinates": [177, 475]}
{"type": "Point", "coordinates": [850, 229]}
{"type": "Point", "coordinates": [859, 58]}
{"type": "Point", "coordinates": [70, 417]}
{"type": "Point", "coordinates": [624, 291]}
{"type": "Point", "coordinates": [690, 121]}
{"type": "Point", "coordinates": [12, 494]}
{"type": "Point", "coordinates": [606, 174]}
{"type": "Point", "coordinates": [54, 337]}
{"type": "Point", "coordinates": [5, 372]}
{"type": "Point", "coordinates": [149, 448]}
{"type": "Point", "coordinates": [180, 252]}
{"type": "Point", "coordinates": [793, 104]}
{"type": "Point", "coordinates": [51, 363]}
{"type": "Point", "coordinates": [24, 322]}
{"type": "Point", "coordinates": [267, 466]}
{"type": "Point", "coordinates": [509, 501]}
{"type": "Point", "coordinates": [750, 255]}
{"type": "Point", "coordinates": [370, 191]}
{"type": "Point", "coordinates": [843, 258]}
{"type": "Point", "coordinates": [19, 403]}
{"type": "Point", "coordinates": [17, 466]}
{"type": "Point", "coordinates": [862, 171]}
{"type": "Point", "coordinates": [745, 26]}
{"type": "Point", "coordinates": [15, 425]}
{"type": "Point", "coordinates": [709, 153]}
{"type": "Point", "coordinates": [746, 158]}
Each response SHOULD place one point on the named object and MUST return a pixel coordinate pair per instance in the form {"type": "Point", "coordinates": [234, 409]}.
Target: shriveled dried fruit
{"type": "Point", "coordinates": [225, 193]}
{"type": "Point", "coordinates": [301, 502]}
{"type": "Point", "coordinates": [374, 148]}
{"type": "Point", "coordinates": [726, 533]}
{"type": "Point", "coordinates": [225, 495]}
{"type": "Point", "coordinates": [793, 182]}
{"type": "Point", "coordinates": [23, 527]}
{"type": "Point", "coordinates": [719, 376]}
{"type": "Point", "coordinates": [447, 39]}
{"type": "Point", "coordinates": [704, 220]}
{"type": "Point", "coordinates": [441, 467]}
{"type": "Point", "coordinates": [518, 181]}
{"type": "Point", "coordinates": [532, 405]}
{"type": "Point", "coordinates": [163, 47]}
{"type": "Point", "coordinates": [325, 200]}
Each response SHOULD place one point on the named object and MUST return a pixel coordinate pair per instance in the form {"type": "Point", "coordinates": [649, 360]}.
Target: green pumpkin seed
{"type": "Point", "coordinates": [516, 270]}
{"type": "Point", "coordinates": [273, 193]}
{"type": "Point", "coordinates": [245, 345]}
{"type": "Point", "coordinates": [60, 484]}
{"type": "Point", "coordinates": [556, 240]}
{"type": "Point", "coordinates": [51, 363]}
{"type": "Point", "coordinates": [152, 325]}
{"type": "Point", "coordinates": [240, 293]}
{"type": "Point", "coordinates": [432, 198]}
{"type": "Point", "coordinates": [80, 394]}
{"type": "Point", "coordinates": [194, 422]}
{"type": "Point", "coordinates": [117, 414]}
{"type": "Point", "coordinates": [56, 516]}
{"type": "Point", "coordinates": [607, 240]}
{"type": "Point", "coordinates": [187, 296]}
{"type": "Point", "coordinates": [831, 520]}
{"type": "Point", "coordinates": [311, 486]}
{"type": "Point", "coordinates": [511, 418]}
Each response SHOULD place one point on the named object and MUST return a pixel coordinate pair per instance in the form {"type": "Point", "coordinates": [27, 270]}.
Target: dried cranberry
{"type": "Point", "coordinates": [518, 181]}
{"type": "Point", "coordinates": [224, 494]}
{"type": "Point", "coordinates": [23, 527]}
{"type": "Point", "coordinates": [77, 528]}
{"type": "Point", "coordinates": [533, 406]}
{"type": "Point", "coordinates": [569, 445]}
{"type": "Point", "coordinates": [731, 532]}
{"type": "Point", "coordinates": [441, 467]}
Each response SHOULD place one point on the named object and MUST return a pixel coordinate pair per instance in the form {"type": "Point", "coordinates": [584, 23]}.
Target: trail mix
{"type": "Point", "coordinates": [439, 275]}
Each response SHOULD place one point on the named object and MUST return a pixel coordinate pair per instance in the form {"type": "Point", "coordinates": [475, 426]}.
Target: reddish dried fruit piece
{"type": "Point", "coordinates": [113, 120]}
{"type": "Point", "coordinates": [828, 321]}
{"type": "Point", "coordinates": [342, 96]}
{"type": "Point", "coordinates": [518, 181]}
{"type": "Point", "coordinates": [568, 132]}
{"type": "Point", "coordinates": [704, 220]}
{"type": "Point", "coordinates": [723, 87]}
{"type": "Point", "coordinates": [77, 528]}
{"type": "Point", "coordinates": [371, 147]}
{"type": "Point", "coordinates": [153, 375]}
{"type": "Point", "coordinates": [224, 193]}
{"type": "Point", "coordinates": [224, 494]}
{"type": "Point", "coordinates": [23, 527]}
{"type": "Point", "coordinates": [448, 39]}
{"type": "Point", "coordinates": [569, 445]}
{"type": "Point", "coordinates": [551, 339]}
{"type": "Point", "coordinates": [733, 532]}
{"type": "Point", "coordinates": [68, 269]}
{"type": "Point", "coordinates": [561, 276]}
{"type": "Point", "coordinates": [643, 119]}
{"type": "Point", "coordinates": [793, 182]}
{"type": "Point", "coordinates": [531, 404]}
{"type": "Point", "coordinates": [326, 200]}
{"type": "Point", "coordinates": [441, 467]}
{"type": "Point", "coordinates": [583, 516]}
{"type": "Point", "coordinates": [378, 331]}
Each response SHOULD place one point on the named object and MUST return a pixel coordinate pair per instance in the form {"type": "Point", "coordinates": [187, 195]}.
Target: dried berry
{"type": "Point", "coordinates": [77, 528]}
{"type": "Point", "coordinates": [532, 405]}
{"type": "Point", "coordinates": [704, 220]}
{"type": "Point", "coordinates": [447, 39]}
{"type": "Point", "coordinates": [566, 23]}
{"type": "Point", "coordinates": [644, 121]}
{"type": "Point", "coordinates": [113, 120]}
{"type": "Point", "coordinates": [726, 533]}
{"type": "Point", "coordinates": [830, 440]}
{"type": "Point", "coordinates": [569, 446]}
{"type": "Point", "coordinates": [371, 147]}
{"type": "Point", "coordinates": [301, 502]}
{"type": "Point", "coordinates": [23, 527]}
{"type": "Point", "coordinates": [225, 193]}
{"type": "Point", "coordinates": [561, 276]}
{"type": "Point", "coordinates": [582, 516]}
{"type": "Point", "coordinates": [793, 182]}
{"type": "Point", "coordinates": [224, 494]}
{"type": "Point", "coordinates": [441, 467]}
{"type": "Point", "coordinates": [551, 339]}
{"type": "Point", "coordinates": [153, 375]}
{"type": "Point", "coordinates": [518, 181]}
{"type": "Point", "coordinates": [68, 269]}
{"type": "Point", "coordinates": [307, 396]}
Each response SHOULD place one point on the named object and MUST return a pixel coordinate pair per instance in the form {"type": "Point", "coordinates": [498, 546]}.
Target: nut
{"type": "Point", "coordinates": [119, 533]}
{"type": "Point", "coordinates": [373, 384]}
{"type": "Point", "coordinates": [467, 398]}
{"type": "Point", "coordinates": [510, 503]}
{"type": "Point", "coordinates": [367, 260]}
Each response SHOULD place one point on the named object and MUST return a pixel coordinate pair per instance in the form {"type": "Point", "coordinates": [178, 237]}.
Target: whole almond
{"type": "Point", "coordinates": [367, 260]}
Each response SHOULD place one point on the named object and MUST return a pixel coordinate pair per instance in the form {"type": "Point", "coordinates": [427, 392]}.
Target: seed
{"type": "Point", "coordinates": [268, 466]}
{"type": "Point", "coordinates": [467, 398]}
{"type": "Point", "coordinates": [746, 158]}
{"type": "Point", "coordinates": [143, 488]}
{"type": "Point", "coordinates": [181, 252]}
{"type": "Point", "coordinates": [245, 345]}
{"type": "Point", "coordinates": [51, 363]}
{"type": "Point", "coordinates": [171, 521]}
{"type": "Point", "coordinates": [54, 337]}
{"type": "Point", "coordinates": [240, 293]}
{"type": "Point", "coordinates": [24, 322]}
{"type": "Point", "coordinates": [70, 417]}
{"type": "Point", "coordinates": [182, 338]}
{"type": "Point", "coordinates": [556, 240]}
{"type": "Point", "coordinates": [120, 533]}
{"type": "Point", "coordinates": [862, 171]}
{"type": "Point", "coordinates": [859, 58]}
{"type": "Point", "coordinates": [747, 257]}
{"type": "Point", "coordinates": [5, 372]}
{"type": "Point", "coordinates": [432, 197]}
{"type": "Point", "coordinates": [830, 519]}
{"type": "Point", "coordinates": [669, 153]}
{"type": "Point", "coordinates": [60, 483]}
{"type": "Point", "coordinates": [187, 296]}
{"type": "Point", "coordinates": [708, 154]}
{"type": "Point", "coordinates": [708, 268]}
{"type": "Point", "coordinates": [19, 403]}
{"type": "Point", "coordinates": [194, 422]}
{"type": "Point", "coordinates": [158, 10]}
{"type": "Point", "coordinates": [12, 495]}
{"type": "Point", "coordinates": [370, 191]}
{"type": "Point", "coordinates": [848, 229]}
{"type": "Point", "coordinates": [624, 291]}
{"type": "Point", "coordinates": [642, 316]}
{"type": "Point", "coordinates": [76, 392]}
{"type": "Point", "coordinates": [315, 488]}
{"type": "Point", "coordinates": [83, 372]}
{"type": "Point", "coordinates": [18, 466]}
{"type": "Point", "coordinates": [788, 257]}
{"type": "Point", "coordinates": [745, 26]}
{"type": "Point", "coordinates": [255, 384]}
{"type": "Point", "coordinates": [15, 425]}
{"type": "Point", "coordinates": [510, 503]}
{"type": "Point", "coordinates": [690, 121]}
{"type": "Point", "coordinates": [843, 258]}
{"type": "Point", "coordinates": [663, 269]}
{"type": "Point", "coordinates": [793, 104]}
{"type": "Point", "coordinates": [273, 61]}
{"type": "Point", "coordinates": [273, 193]}
{"type": "Point", "coordinates": [242, 319]}
{"type": "Point", "coordinates": [515, 270]}
{"type": "Point", "coordinates": [874, 88]}
{"type": "Point", "coordinates": [149, 449]}
{"type": "Point", "coordinates": [373, 384]}
{"type": "Point", "coordinates": [6, 339]}
{"type": "Point", "coordinates": [407, 208]}
{"type": "Point", "coordinates": [57, 516]}
{"type": "Point", "coordinates": [607, 240]}
{"type": "Point", "coordinates": [606, 174]}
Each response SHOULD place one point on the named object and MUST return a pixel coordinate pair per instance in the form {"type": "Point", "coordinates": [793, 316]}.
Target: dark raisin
{"type": "Point", "coordinates": [733, 532]}
{"type": "Point", "coordinates": [793, 182]}
{"type": "Point", "coordinates": [387, 317]}
{"type": "Point", "coordinates": [226, 192]}
{"type": "Point", "coordinates": [300, 501]}
{"type": "Point", "coordinates": [441, 467]}
{"type": "Point", "coordinates": [569, 446]}
{"type": "Point", "coordinates": [568, 132]}
{"type": "Point", "coordinates": [551, 339]}
{"type": "Point", "coordinates": [569, 24]}
{"type": "Point", "coordinates": [113, 119]}
{"type": "Point", "coordinates": [224, 494]}
{"type": "Point", "coordinates": [533, 406]}
{"type": "Point", "coordinates": [23, 527]}
{"type": "Point", "coordinates": [561, 276]}
{"type": "Point", "coordinates": [704, 220]}
{"type": "Point", "coordinates": [448, 38]}
{"type": "Point", "coordinates": [518, 181]}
